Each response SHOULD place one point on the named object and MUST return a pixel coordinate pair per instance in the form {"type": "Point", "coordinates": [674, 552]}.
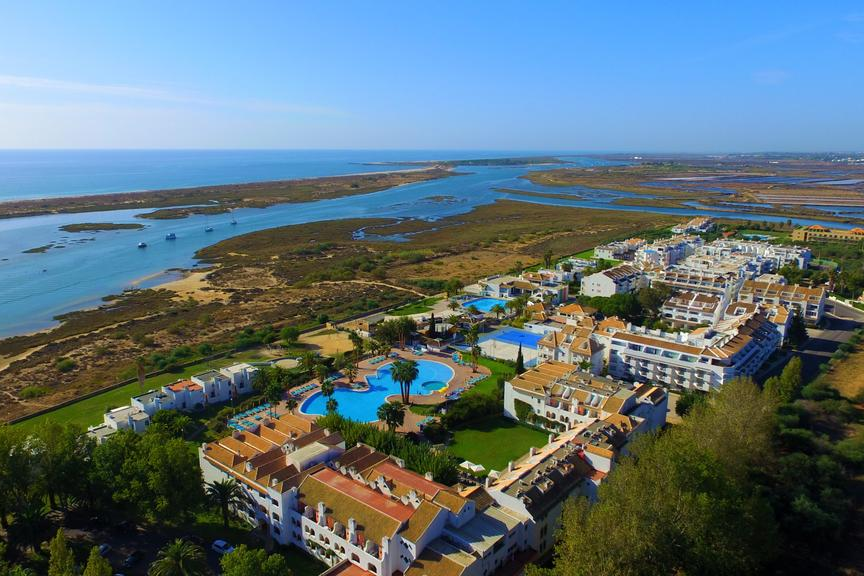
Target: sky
{"type": "Point", "coordinates": [410, 74]}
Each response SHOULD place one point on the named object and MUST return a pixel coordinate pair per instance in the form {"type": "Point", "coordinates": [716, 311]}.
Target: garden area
{"type": "Point", "coordinates": [495, 441]}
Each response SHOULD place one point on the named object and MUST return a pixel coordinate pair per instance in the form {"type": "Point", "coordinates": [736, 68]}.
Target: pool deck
{"type": "Point", "coordinates": [461, 374]}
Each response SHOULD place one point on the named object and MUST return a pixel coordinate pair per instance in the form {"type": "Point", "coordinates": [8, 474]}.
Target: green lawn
{"type": "Point", "coordinates": [489, 385]}
{"type": "Point", "coordinates": [89, 412]}
{"type": "Point", "coordinates": [417, 307]}
{"type": "Point", "coordinates": [495, 441]}
{"type": "Point", "coordinates": [585, 254]}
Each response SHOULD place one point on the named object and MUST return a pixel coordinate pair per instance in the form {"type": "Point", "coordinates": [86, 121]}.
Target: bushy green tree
{"type": "Point", "coordinates": [245, 561]}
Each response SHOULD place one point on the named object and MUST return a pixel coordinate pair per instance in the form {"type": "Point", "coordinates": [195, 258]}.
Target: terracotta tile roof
{"type": "Point", "coordinates": [420, 521]}
{"type": "Point", "coordinates": [181, 385]}
{"type": "Point", "coordinates": [431, 563]}
{"type": "Point", "coordinates": [376, 514]}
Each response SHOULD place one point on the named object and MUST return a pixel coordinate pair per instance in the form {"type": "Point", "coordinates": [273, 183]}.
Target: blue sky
{"type": "Point", "coordinates": [658, 76]}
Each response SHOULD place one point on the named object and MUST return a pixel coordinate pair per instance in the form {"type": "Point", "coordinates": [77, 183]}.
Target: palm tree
{"type": "Point", "coordinates": [273, 394]}
{"type": "Point", "coordinates": [321, 371]}
{"type": "Point", "coordinates": [332, 405]}
{"type": "Point", "coordinates": [472, 338]}
{"type": "Point", "coordinates": [405, 372]}
{"type": "Point", "coordinates": [547, 258]}
{"type": "Point", "coordinates": [291, 404]}
{"type": "Point", "coordinates": [179, 558]}
{"type": "Point", "coordinates": [453, 305]}
{"type": "Point", "coordinates": [498, 309]}
{"type": "Point", "coordinates": [31, 520]}
{"type": "Point", "coordinates": [393, 415]}
{"type": "Point", "coordinates": [357, 342]}
{"type": "Point", "coordinates": [308, 361]}
{"type": "Point", "coordinates": [224, 494]}
{"type": "Point", "coordinates": [405, 326]}
{"type": "Point", "coordinates": [327, 389]}
{"type": "Point", "coordinates": [351, 371]}
{"type": "Point", "coordinates": [475, 356]}
{"type": "Point", "coordinates": [473, 310]}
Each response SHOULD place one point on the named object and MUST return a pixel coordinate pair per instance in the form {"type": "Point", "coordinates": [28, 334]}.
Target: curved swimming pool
{"type": "Point", "coordinates": [362, 405]}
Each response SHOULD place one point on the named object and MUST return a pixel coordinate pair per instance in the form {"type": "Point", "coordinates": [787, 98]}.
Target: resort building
{"type": "Point", "coordinates": [808, 302]}
{"type": "Point", "coordinates": [778, 315]}
{"type": "Point", "coordinates": [723, 286]}
{"type": "Point", "coordinates": [209, 387]}
{"type": "Point", "coordinates": [571, 344]}
{"type": "Point", "coordinates": [699, 225]}
{"type": "Point", "coordinates": [621, 279]}
{"type": "Point", "coordinates": [621, 250]}
{"type": "Point", "coordinates": [692, 309]}
{"type": "Point", "coordinates": [668, 251]}
{"type": "Point", "coordinates": [123, 418]}
{"type": "Point", "coordinates": [360, 511]}
{"type": "Point", "coordinates": [823, 234]}
{"type": "Point", "coordinates": [559, 395]}
{"type": "Point", "coordinates": [535, 285]}
{"type": "Point", "coordinates": [778, 255]}
{"type": "Point", "coordinates": [705, 358]}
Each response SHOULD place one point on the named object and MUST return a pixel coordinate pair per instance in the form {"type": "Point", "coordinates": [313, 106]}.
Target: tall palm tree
{"type": "Point", "coordinates": [321, 371]}
{"type": "Point", "coordinates": [31, 520]}
{"type": "Point", "coordinates": [224, 494]}
{"type": "Point", "coordinates": [180, 558]}
{"type": "Point", "coordinates": [393, 415]}
{"type": "Point", "coordinates": [472, 339]}
{"type": "Point", "coordinates": [357, 342]}
{"type": "Point", "coordinates": [498, 310]}
{"type": "Point", "coordinates": [308, 362]}
{"type": "Point", "coordinates": [273, 394]}
{"type": "Point", "coordinates": [327, 389]}
{"type": "Point", "coordinates": [351, 371]}
{"type": "Point", "coordinates": [291, 404]}
{"type": "Point", "coordinates": [332, 405]}
{"type": "Point", "coordinates": [405, 372]}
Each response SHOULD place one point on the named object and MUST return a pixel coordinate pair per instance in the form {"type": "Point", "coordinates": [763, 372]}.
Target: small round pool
{"type": "Point", "coordinates": [362, 405]}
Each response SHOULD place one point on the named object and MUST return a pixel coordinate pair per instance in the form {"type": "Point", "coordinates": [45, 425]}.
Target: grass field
{"type": "Point", "coordinates": [89, 412]}
{"type": "Point", "coordinates": [417, 307]}
{"type": "Point", "coordinates": [489, 385]}
{"type": "Point", "coordinates": [585, 254]}
{"type": "Point", "coordinates": [495, 441]}
{"type": "Point", "coordinates": [846, 377]}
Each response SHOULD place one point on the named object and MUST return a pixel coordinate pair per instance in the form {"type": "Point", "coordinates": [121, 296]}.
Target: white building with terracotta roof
{"type": "Point", "coordinates": [692, 309]}
{"type": "Point", "coordinates": [560, 393]}
{"type": "Point", "coordinates": [621, 279]}
{"type": "Point", "coordinates": [705, 358]}
{"type": "Point", "coordinates": [360, 511]}
{"type": "Point", "coordinates": [667, 251]}
{"type": "Point", "coordinates": [698, 224]}
{"type": "Point", "coordinates": [808, 302]}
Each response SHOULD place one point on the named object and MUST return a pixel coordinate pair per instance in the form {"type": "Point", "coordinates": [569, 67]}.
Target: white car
{"type": "Point", "coordinates": [221, 547]}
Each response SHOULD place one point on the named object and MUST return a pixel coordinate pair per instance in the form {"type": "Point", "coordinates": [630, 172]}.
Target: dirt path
{"type": "Point", "coordinates": [373, 283]}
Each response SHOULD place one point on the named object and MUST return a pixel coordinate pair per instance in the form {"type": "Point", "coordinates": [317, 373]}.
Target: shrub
{"type": "Point", "coordinates": [469, 408]}
{"type": "Point", "coordinates": [65, 364]}
{"type": "Point", "coordinates": [34, 392]}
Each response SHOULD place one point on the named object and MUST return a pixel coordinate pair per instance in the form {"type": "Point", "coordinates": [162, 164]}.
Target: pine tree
{"type": "Point", "coordinates": [61, 561]}
{"type": "Point", "coordinates": [97, 565]}
{"type": "Point", "coordinates": [520, 361]}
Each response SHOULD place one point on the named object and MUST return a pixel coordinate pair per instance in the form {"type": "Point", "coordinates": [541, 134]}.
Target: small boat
{"type": "Point", "coordinates": [171, 236]}
{"type": "Point", "coordinates": [142, 244]}
{"type": "Point", "coordinates": [208, 229]}
{"type": "Point", "coordinates": [233, 221]}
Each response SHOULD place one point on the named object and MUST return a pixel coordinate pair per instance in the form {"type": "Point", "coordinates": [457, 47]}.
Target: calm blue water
{"type": "Point", "coordinates": [362, 406]}
{"type": "Point", "coordinates": [484, 304]}
{"type": "Point", "coordinates": [83, 268]}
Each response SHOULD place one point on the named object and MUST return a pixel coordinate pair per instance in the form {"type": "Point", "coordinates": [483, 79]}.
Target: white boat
{"type": "Point", "coordinates": [142, 244]}
{"type": "Point", "coordinates": [171, 236]}
{"type": "Point", "coordinates": [208, 229]}
{"type": "Point", "coordinates": [233, 222]}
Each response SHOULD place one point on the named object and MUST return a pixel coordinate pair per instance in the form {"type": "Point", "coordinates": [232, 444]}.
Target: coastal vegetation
{"type": "Point", "coordinates": [295, 276]}
{"type": "Point", "coordinates": [223, 198]}
{"type": "Point", "coordinates": [99, 227]}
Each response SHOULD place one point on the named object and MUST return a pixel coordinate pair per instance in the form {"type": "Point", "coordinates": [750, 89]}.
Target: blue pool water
{"type": "Point", "coordinates": [363, 405]}
{"type": "Point", "coordinates": [516, 337]}
{"type": "Point", "coordinates": [484, 304]}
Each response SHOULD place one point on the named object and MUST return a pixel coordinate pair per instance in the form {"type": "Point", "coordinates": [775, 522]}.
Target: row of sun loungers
{"type": "Point", "coordinates": [249, 418]}
{"type": "Point", "coordinates": [297, 392]}
{"type": "Point", "coordinates": [377, 360]}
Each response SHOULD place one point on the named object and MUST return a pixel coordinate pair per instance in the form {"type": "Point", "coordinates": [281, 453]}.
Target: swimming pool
{"type": "Point", "coordinates": [484, 304]}
{"type": "Point", "coordinates": [516, 336]}
{"type": "Point", "coordinates": [362, 405]}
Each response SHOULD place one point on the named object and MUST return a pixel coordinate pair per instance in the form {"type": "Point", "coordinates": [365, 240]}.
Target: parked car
{"type": "Point", "coordinates": [133, 558]}
{"type": "Point", "coordinates": [104, 550]}
{"type": "Point", "coordinates": [221, 547]}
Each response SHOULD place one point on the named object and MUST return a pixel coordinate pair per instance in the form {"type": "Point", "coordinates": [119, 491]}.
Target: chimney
{"type": "Point", "coordinates": [488, 482]}
{"type": "Point", "coordinates": [352, 531]}
{"type": "Point", "coordinates": [551, 437]}
{"type": "Point", "coordinates": [510, 466]}
{"type": "Point", "coordinates": [532, 451]}
{"type": "Point", "coordinates": [322, 514]}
